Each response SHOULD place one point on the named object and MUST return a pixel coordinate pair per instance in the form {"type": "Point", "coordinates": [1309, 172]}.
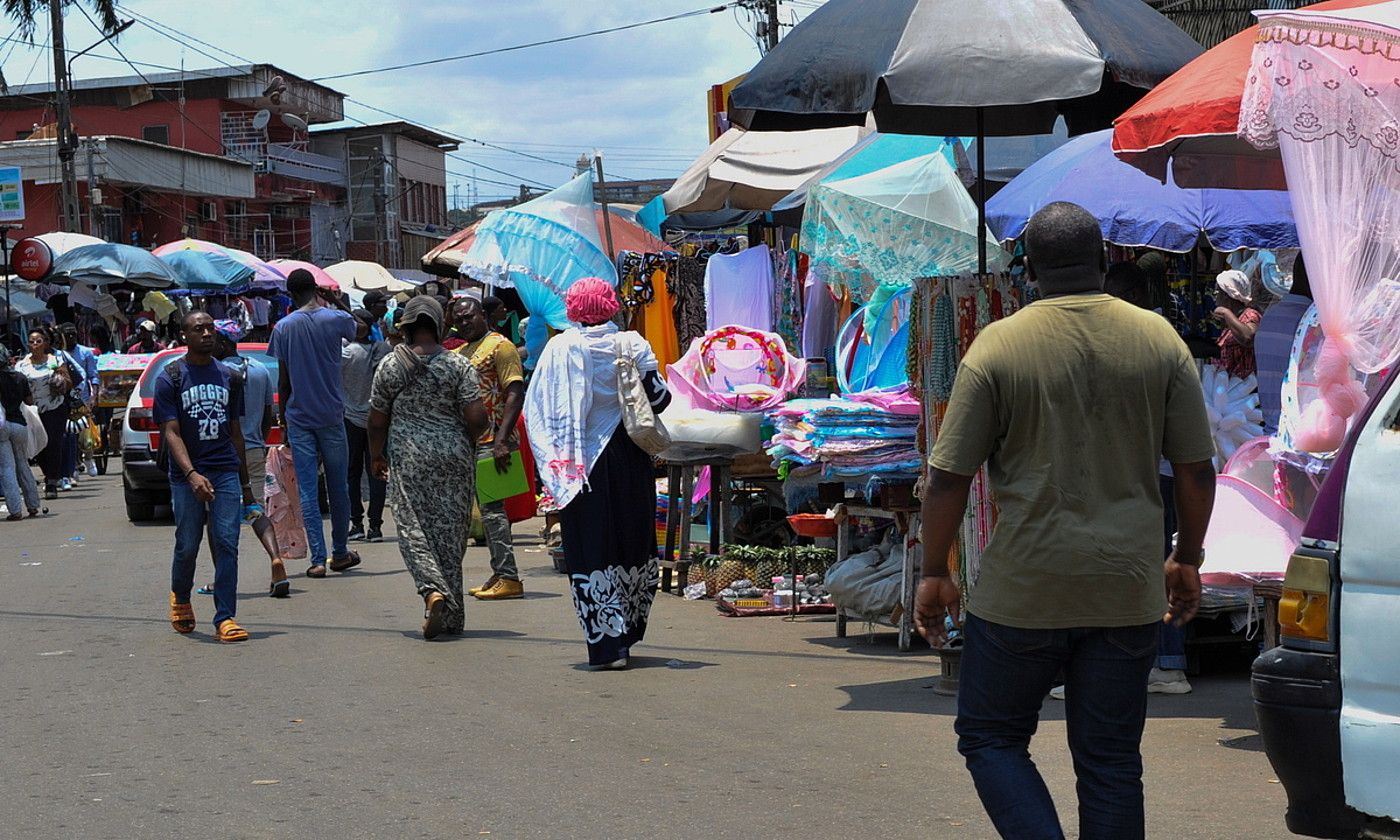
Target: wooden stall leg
{"type": "Point", "coordinates": [687, 487]}
{"type": "Point", "coordinates": [673, 522]}
{"type": "Point", "coordinates": [906, 585]}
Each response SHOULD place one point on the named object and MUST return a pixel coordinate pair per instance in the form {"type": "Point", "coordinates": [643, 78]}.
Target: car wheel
{"type": "Point", "coordinates": [139, 507]}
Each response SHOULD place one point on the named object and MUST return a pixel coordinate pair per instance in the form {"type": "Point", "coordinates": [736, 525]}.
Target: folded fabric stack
{"type": "Point", "coordinates": [866, 434]}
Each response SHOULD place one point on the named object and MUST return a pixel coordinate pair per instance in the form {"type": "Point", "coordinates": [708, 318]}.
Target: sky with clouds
{"type": "Point", "coordinates": [638, 95]}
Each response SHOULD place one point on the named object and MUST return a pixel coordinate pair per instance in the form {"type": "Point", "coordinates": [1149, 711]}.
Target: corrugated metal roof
{"type": "Point", "coordinates": [1212, 21]}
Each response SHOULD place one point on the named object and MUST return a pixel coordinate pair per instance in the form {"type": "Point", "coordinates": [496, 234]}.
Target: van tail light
{"type": "Point", "coordinates": [1304, 609]}
{"type": "Point", "coordinates": [142, 421]}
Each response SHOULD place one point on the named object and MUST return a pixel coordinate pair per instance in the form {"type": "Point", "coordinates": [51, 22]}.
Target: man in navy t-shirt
{"type": "Point", "coordinates": [307, 345]}
{"type": "Point", "coordinates": [198, 403]}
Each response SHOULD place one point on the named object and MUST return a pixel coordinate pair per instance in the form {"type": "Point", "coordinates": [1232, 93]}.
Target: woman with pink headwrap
{"type": "Point", "coordinates": [602, 482]}
{"type": "Point", "coordinates": [1234, 296]}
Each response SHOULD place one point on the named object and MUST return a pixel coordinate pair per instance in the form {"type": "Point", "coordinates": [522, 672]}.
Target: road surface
{"type": "Point", "coordinates": [336, 720]}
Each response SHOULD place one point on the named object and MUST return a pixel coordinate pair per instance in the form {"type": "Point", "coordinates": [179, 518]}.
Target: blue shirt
{"type": "Point", "coordinates": [258, 389]}
{"type": "Point", "coordinates": [307, 343]}
{"type": "Point", "coordinates": [87, 363]}
{"type": "Point", "coordinates": [206, 401]}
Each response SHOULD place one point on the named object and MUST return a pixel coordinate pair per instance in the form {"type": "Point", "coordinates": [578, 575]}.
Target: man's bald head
{"type": "Point", "coordinates": [1064, 249]}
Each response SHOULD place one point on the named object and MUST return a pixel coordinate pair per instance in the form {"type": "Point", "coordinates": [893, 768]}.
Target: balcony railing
{"type": "Point", "coordinates": [307, 166]}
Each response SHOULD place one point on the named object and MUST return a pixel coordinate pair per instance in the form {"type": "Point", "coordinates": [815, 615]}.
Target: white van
{"type": "Point", "coordinates": [1328, 697]}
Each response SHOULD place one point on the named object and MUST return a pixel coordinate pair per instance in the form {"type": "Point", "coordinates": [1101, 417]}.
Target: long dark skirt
{"type": "Point", "coordinates": [609, 536]}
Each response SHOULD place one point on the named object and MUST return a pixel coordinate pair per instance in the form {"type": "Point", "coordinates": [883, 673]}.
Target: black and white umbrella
{"type": "Point", "coordinates": [963, 67]}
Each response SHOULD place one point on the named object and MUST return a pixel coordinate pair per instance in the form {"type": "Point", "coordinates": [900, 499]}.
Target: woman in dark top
{"type": "Point", "coordinates": [16, 478]}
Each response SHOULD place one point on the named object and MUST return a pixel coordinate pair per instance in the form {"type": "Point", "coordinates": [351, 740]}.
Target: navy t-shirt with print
{"type": "Point", "coordinates": [208, 398]}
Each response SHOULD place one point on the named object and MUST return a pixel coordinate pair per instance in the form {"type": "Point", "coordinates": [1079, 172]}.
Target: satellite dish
{"type": "Point", "coordinates": [294, 122]}
{"type": "Point", "coordinates": [261, 118]}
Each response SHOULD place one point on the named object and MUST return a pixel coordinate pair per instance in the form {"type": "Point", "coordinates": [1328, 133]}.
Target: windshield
{"type": "Point", "coordinates": [148, 380]}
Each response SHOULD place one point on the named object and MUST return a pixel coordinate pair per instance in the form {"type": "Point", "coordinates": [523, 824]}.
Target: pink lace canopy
{"type": "Point", "coordinates": [1326, 93]}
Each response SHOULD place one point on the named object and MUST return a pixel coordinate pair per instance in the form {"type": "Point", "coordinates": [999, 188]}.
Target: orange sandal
{"type": "Point", "coordinates": [181, 616]}
{"type": "Point", "coordinates": [229, 631]}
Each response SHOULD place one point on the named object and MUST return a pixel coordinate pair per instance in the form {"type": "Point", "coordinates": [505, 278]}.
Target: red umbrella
{"type": "Point", "coordinates": [1191, 118]}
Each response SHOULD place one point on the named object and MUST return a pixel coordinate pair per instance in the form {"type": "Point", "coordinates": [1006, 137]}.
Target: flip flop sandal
{"type": "Point", "coordinates": [229, 631]}
{"type": "Point", "coordinates": [435, 616]}
{"type": "Point", "coordinates": [342, 564]}
{"type": "Point", "coordinates": [280, 588]}
{"type": "Point", "coordinates": [181, 616]}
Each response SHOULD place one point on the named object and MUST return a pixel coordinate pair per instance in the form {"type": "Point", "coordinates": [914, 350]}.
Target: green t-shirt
{"type": "Point", "coordinates": [1071, 402]}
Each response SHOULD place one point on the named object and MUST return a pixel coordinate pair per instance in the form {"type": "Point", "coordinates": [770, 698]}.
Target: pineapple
{"type": "Point", "coordinates": [772, 562]}
{"type": "Point", "coordinates": [704, 568]}
{"type": "Point", "coordinates": [730, 568]}
{"type": "Point", "coordinates": [817, 561]}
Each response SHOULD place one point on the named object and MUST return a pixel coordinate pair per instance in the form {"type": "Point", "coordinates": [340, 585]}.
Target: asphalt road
{"type": "Point", "coordinates": [337, 721]}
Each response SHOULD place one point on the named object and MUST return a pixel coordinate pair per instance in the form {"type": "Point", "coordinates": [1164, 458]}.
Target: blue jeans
{"type": "Point", "coordinates": [310, 448]}
{"type": "Point", "coordinates": [16, 478]}
{"type": "Point", "coordinates": [224, 515]}
{"type": "Point", "coordinates": [1006, 672]}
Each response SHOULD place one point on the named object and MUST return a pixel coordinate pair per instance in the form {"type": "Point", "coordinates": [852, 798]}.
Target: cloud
{"type": "Point", "coordinates": [637, 95]}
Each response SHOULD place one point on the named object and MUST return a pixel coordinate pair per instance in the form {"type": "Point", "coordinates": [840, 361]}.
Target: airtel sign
{"type": "Point", "coordinates": [32, 259]}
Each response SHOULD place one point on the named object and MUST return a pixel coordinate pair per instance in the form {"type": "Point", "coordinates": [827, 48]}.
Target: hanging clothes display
{"type": "Point", "coordinates": [947, 314]}
{"type": "Point", "coordinates": [645, 288]}
{"type": "Point", "coordinates": [739, 289]}
{"type": "Point", "coordinates": [688, 296]}
{"type": "Point", "coordinates": [819, 320]}
{"type": "Point", "coordinates": [791, 271]}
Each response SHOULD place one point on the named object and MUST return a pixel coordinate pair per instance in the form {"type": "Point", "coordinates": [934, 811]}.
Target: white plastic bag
{"type": "Point", "coordinates": [38, 437]}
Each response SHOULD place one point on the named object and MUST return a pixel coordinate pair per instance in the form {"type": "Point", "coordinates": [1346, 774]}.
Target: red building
{"type": "Point", "coordinates": [186, 154]}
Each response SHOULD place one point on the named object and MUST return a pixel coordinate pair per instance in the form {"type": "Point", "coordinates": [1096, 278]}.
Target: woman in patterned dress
{"type": "Point", "coordinates": [603, 482]}
{"type": "Point", "coordinates": [426, 403]}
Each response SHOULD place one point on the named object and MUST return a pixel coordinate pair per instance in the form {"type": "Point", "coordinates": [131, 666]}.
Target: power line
{"type": "Point", "coordinates": [166, 31]}
{"type": "Point", "coordinates": [546, 42]}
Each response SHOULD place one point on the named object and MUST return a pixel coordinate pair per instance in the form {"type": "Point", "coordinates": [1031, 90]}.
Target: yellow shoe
{"type": "Point", "coordinates": [503, 590]}
{"type": "Point", "coordinates": [490, 582]}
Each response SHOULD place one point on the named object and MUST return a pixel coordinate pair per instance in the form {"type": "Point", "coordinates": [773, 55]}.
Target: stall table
{"type": "Point", "coordinates": [680, 490]}
{"type": "Point", "coordinates": [905, 520]}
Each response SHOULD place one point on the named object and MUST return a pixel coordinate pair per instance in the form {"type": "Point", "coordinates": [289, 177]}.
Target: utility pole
{"type": "Point", "coordinates": [69, 214]}
{"type": "Point", "coordinates": [770, 29]}
{"type": "Point", "coordinates": [602, 189]}
{"type": "Point", "coordinates": [94, 195]}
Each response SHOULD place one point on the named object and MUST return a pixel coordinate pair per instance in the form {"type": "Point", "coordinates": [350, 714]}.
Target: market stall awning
{"type": "Point", "coordinates": [324, 280]}
{"type": "Point", "coordinates": [753, 170]}
{"type": "Point", "coordinates": [627, 234]}
{"type": "Point", "coordinates": [1191, 119]}
{"type": "Point", "coordinates": [208, 271]}
{"type": "Point", "coordinates": [264, 275]}
{"type": "Point", "coordinates": [1136, 210]}
{"type": "Point", "coordinates": [22, 305]}
{"type": "Point", "coordinates": [108, 264]}
{"type": "Point", "coordinates": [367, 277]}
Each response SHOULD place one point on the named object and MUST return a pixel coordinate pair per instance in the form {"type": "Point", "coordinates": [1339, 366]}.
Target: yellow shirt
{"type": "Point", "coordinates": [497, 362]}
{"type": "Point", "coordinates": [1071, 402]}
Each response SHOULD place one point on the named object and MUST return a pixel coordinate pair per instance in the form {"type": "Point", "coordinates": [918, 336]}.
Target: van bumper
{"type": "Point", "coordinates": [1298, 700]}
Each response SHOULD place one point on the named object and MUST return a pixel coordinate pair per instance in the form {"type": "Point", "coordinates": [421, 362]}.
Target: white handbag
{"type": "Point", "coordinates": [643, 426]}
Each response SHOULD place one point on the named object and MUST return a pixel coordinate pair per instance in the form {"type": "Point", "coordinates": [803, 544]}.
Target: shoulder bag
{"type": "Point", "coordinates": [643, 426]}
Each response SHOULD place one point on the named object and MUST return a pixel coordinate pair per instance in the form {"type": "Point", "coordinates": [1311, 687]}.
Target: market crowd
{"type": "Point", "coordinates": [411, 403]}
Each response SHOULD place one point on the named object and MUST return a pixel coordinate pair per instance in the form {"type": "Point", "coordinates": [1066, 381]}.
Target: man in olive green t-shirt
{"type": "Point", "coordinates": [1070, 403]}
